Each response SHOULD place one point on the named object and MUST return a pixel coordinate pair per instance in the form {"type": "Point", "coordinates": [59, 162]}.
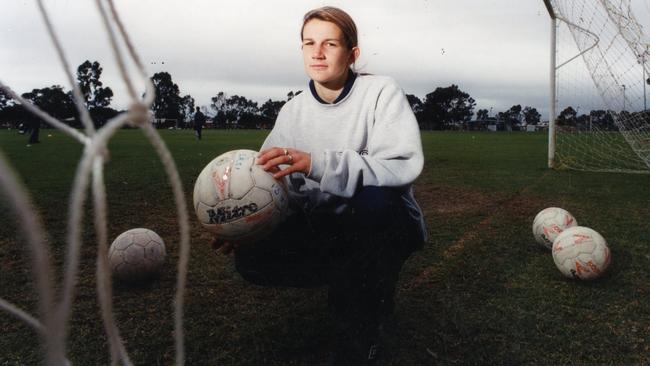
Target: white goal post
{"type": "Point", "coordinates": [598, 118]}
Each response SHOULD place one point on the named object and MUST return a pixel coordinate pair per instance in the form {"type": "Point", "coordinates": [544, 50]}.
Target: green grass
{"type": "Point", "coordinates": [480, 292]}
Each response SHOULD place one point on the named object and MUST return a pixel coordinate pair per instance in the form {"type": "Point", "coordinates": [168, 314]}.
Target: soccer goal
{"type": "Point", "coordinates": [598, 118]}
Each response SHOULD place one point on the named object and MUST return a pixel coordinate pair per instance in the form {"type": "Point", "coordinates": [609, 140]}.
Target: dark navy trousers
{"type": "Point", "coordinates": [358, 255]}
{"type": "Point", "coordinates": [305, 249]}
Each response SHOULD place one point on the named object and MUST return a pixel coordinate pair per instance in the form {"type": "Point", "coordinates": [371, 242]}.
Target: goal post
{"type": "Point", "coordinates": [598, 118]}
{"type": "Point", "coordinates": [552, 112]}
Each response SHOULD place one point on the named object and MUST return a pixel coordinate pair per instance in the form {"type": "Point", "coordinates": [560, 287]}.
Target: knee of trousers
{"type": "Point", "coordinates": [377, 206]}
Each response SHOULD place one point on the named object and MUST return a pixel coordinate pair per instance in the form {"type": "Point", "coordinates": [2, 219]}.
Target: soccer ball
{"type": "Point", "coordinates": [236, 200]}
{"type": "Point", "coordinates": [549, 223]}
{"type": "Point", "coordinates": [582, 253]}
{"type": "Point", "coordinates": [136, 254]}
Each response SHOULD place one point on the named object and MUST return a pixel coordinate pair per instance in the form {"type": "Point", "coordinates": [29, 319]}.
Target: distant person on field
{"type": "Point", "coordinates": [34, 127]}
{"type": "Point", "coordinates": [199, 120]}
{"type": "Point", "coordinates": [349, 150]}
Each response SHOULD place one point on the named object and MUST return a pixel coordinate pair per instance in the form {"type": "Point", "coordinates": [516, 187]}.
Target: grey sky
{"type": "Point", "coordinates": [496, 50]}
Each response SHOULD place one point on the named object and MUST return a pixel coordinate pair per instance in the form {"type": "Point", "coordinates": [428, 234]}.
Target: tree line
{"type": "Point", "coordinates": [60, 104]}
{"type": "Point", "coordinates": [444, 108]}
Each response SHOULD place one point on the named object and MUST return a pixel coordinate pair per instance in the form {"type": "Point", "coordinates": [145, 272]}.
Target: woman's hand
{"type": "Point", "coordinates": [271, 159]}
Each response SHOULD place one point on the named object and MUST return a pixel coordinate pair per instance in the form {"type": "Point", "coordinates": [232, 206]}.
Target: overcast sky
{"type": "Point", "coordinates": [496, 50]}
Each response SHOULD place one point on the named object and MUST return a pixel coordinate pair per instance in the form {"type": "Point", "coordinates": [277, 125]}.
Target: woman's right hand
{"type": "Point", "coordinates": [297, 161]}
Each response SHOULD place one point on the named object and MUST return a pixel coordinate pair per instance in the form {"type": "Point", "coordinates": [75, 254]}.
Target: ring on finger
{"type": "Point", "coordinates": [286, 152]}
{"type": "Point", "coordinates": [290, 158]}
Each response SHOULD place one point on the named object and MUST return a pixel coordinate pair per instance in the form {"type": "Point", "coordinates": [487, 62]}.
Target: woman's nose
{"type": "Point", "coordinates": [317, 53]}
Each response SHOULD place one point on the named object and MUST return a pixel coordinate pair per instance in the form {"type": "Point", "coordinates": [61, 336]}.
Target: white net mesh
{"type": "Point", "coordinates": [52, 321]}
{"type": "Point", "coordinates": [601, 72]}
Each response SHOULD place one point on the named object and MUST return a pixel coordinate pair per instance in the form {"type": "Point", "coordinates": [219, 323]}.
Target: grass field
{"type": "Point", "coordinates": [480, 292]}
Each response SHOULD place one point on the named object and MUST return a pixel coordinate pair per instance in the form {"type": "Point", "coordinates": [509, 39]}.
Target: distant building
{"type": "Point", "coordinates": [481, 124]}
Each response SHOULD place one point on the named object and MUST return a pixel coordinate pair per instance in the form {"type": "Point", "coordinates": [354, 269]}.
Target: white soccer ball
{"type": "Point", "coordinates": [582, 253]}
{"type": "Point", "coordinates": [549, 223]}
{"type": "Point", "coordinates": [236, 200]}
{"type": "Point", "coordinates": [136, 255]}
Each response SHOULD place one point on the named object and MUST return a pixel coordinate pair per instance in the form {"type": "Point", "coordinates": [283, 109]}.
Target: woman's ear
{"type": "Point", "coordinates": [354, 55]}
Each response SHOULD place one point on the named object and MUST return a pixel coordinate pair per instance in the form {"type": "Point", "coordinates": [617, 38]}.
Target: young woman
{"type": "Point", "coordinates": [349, 150]}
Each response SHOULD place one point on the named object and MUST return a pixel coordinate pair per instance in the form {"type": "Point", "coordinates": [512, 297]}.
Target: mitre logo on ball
{"type": "Point", "coordinates": [224, 214]}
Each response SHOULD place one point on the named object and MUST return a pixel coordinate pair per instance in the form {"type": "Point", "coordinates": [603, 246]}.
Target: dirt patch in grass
{"type": "Point", "coordinates": [457, 202]}
{"type": "Point", "coordinates": [451, 201]}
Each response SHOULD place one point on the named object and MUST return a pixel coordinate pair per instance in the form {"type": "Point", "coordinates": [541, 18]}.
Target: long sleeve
{"type": "Point", "coordinates": [394, 150]}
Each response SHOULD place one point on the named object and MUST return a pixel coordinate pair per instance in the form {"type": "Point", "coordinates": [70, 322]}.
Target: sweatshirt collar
{"type": "Point", "coordinates": [346, 89]}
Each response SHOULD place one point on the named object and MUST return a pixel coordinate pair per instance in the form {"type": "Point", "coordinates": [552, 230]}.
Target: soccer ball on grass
{"type": "Point", "coordinates": [582, 253]}
{"type": "Point", "coordinates": [136, 255]}
{"type": "Point", "coordinates": [549, 223]}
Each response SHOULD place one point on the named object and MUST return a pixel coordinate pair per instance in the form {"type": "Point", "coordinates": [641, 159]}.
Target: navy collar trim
{"type": "Point", "coordinates": [352, 76]}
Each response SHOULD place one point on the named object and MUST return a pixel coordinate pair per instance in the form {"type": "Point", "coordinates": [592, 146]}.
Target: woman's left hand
{"type": "Point", "coordinates": [271, 159]}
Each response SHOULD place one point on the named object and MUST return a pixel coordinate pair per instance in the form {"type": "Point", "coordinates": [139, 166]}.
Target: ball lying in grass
{"type": "Point", "coordinates": [136, 255]}
{"type": "Point", "coordinates": [582, 253]}
{"type": "Point", "coordinates": [549, 223]}
{"type": "Point", "coordinates": [236, 200]}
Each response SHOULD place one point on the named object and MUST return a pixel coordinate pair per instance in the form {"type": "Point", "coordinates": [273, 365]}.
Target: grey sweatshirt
{"type": "Point", "coordinates": [368, 138]}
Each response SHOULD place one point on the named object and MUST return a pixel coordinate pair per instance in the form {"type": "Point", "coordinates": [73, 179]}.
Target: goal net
{"type": "Point", "coordinates": [54, 309]}
{"type": "Point", "coordinates": [598, 115]}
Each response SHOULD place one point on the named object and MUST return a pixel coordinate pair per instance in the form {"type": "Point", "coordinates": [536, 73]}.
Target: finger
{"type": "Point", "coordinates": [286, 171]}
{"type": "Point", "coordinates": [275, 150]}
{"type": "Point", "coordinates": [265, 155]}
{"type": "Point", "coordinates": [282, 159]}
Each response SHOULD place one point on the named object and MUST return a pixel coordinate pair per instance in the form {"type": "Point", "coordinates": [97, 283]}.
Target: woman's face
{"type": "Point", "coordinates": [325, 54]}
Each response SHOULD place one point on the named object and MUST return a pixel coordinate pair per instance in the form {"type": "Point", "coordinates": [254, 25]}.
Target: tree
{"type": "Point", "coordinates": [531, 115]}
{"type": "Point", "coordinates": [187, 110]}
{"type": "Point", "coordinates": [243, 111]}
{"type": "Point", "coordinates": [511, 117]}
{"type": "Point", "coordinates": [624, 116]}
{"type": "Point", "coordinates": [501, 118]}
{"type": "Point", "coordinates": [101, 115]}
{"type": "Point", "coordinates": [415, 103]}
{"type": "Point", "coordinates": [95, 95]}
{"type": "Point", "coordinates": [446, 106]}
{"type": "Point", "coordinates": [416, 106]}
{"type": "Point", "coordinates": [270, 110]}
{"type": "Point", "coordinates": [482, 114]}
{"type": "Point", "coordinates": [5, 100]}
{"type": "Point", "coordinates": [218, 104]}
{"type": "Point", "coordinates": [567, 117]}
{"type": "Point", "coordinates": [291, 94]}
{"type": "Point", "coordinates": [11, 112]}
{"type": "Point", "coordinates": [602, 120]}
{"type": "Point", "coordinates": [167, 103]}
{"type": "Point", "coordinates": [582, 122]}
{"type": "Point", "coordinates": [235, 111]}
{"type": "Point", "coordinates": [52, 100]}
